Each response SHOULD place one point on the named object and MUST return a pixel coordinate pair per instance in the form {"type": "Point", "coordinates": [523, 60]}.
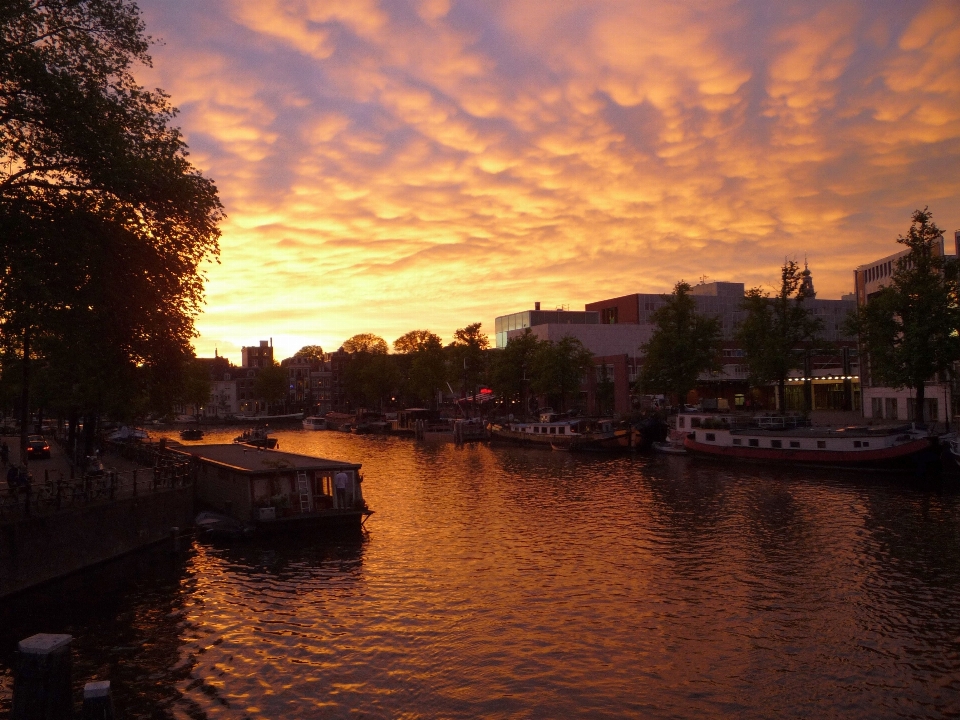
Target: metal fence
{"type": "Point", "coordinates": [57, 492]}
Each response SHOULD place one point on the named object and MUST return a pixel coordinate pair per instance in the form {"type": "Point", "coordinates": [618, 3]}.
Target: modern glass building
{"type": "Point", "coordinates": [531, 318]}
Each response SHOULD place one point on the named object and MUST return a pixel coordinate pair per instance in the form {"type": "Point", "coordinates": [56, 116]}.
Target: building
{"type": "Point", "coordinates": [882, 403]}
{"type": "Point", "coordinates": [257, 356]}
{"type": "Point", "coordinates": [830, 380]}
{"type": "Point", "coordinates": [504, 324]}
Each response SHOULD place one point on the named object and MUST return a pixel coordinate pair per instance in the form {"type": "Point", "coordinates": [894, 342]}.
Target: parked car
{"type": "Point", "coordinates": [37, 447]}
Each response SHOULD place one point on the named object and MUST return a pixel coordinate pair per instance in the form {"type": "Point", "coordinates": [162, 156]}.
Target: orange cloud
{"type": "Point", "coordinates": [388, 165]}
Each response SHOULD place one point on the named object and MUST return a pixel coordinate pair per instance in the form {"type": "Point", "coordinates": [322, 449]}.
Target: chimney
{"type": "Point", "coordinates": [536, 306]}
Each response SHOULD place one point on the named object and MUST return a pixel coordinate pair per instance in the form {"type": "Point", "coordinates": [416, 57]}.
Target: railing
{"type": "Point", "coordinates": [56, 492]}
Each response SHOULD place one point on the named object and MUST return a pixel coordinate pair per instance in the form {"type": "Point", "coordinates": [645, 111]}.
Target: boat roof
{"type": "Point", "coordinates": [822, 432]}
{"type": "Point", "coordinates": [257, 461]}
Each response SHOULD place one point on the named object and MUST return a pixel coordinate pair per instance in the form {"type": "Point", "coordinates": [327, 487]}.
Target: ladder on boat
{"type": "Point", "coordinates": [303, 487]}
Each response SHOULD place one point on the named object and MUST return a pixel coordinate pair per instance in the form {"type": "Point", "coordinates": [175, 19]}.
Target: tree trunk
{"type": "Point", "coordinates": [25, 398]}
{"type": "Point", "coordinates": [918, 408]}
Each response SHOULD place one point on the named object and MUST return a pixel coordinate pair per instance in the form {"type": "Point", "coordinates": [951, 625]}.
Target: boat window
{"type": "Point", "coordinates": [856, 443]}
{"type": "Point", "coordinates": [776, 443]}
{"type": "Point", "coordinates": [821, 443]}
{"type": "Point", "coordinates": [563, 431]}
{"type": "Point", "coordinates": [866, 444]}
{"type": "Point", "coordinates": [754, 442]}
{"type": "Point", "coordinates": [737, 441]}
{"type": "Point", "coordinates": [711, 437]}
{"type": "Point", "coordinates": [553, 431]}
{"type": "Point", "coordinates": [795, 443]}
{"type": "Point", "coordinates": [681, 421]}
{"type": "Point", "coordinates": [694, 422]}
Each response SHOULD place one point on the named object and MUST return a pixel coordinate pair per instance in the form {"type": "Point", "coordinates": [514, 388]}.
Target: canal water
{"type": "Point", "coordinates": [507, 582]}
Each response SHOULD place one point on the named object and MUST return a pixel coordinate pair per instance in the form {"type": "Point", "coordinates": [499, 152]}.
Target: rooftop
{"type": "Point", "coordinates": [256, 460]}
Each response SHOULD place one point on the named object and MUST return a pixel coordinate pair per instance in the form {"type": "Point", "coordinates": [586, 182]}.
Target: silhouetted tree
{"type": "Point", "coordinates": [559, 368]}
{"type": "Point", "coordinates": [105, 222]}
{"type": "Point", "coordinates": [684, 344]}
{"type": "Point", "coordinates": [909, 327]}
{"type": "Point", "coordinates": [778, 330]}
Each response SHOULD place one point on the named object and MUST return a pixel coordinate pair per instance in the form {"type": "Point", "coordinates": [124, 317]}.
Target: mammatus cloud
{"type": "Point", "coordinates": [390, 165]}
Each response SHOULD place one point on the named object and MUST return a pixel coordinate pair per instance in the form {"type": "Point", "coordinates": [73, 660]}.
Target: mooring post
{"type": "Point", "coordinates": [41, 682]}
{"type": "Point", "coordinates": [97, 701]}
{"type": "Point", "coordinates": [175, 537]}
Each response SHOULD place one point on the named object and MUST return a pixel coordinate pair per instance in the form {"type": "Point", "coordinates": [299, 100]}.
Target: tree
{"type": "Point", "coordinates": [197, 387]}
{"type": "Point", "coordinates": [420, 363]}
{"type": "Point", "coordinates": [909, 328]}
{"type": "Point", "coordinates": [105, 222]}
{"type": "Point", "coordinates": [467, 355]}
{"type": "Point", "coordinates": [684, 344]}
{"type": "Point", "coordinates": [311, 353]}
{"type": "Point", "coordinates": [559, 367]}
{"type": "Point", "coordinates": [777, 331]}
{"type": "Point", "coordinates": [417, 341]}
{"type": "Point", "coordinates": [366, 343]}
{"type": "Point", "coordinates": [270, 384]}
{"type": "Point", "coordinates": [513, 368]}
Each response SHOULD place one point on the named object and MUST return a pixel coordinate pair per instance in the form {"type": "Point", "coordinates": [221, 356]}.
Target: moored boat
{"type": "Point", "coordinates": [191, 434]}
{"type": "Point", "coordinates": [314, 422]}
{"type": "Point", "coordinates": [833, 447]}
{"type": "Point", "coordinates": [257, 437]}
{"type": "Point", "coordinates": [571, 434]}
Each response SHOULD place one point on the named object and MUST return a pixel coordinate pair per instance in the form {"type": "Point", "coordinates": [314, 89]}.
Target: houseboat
{"type": "Point", "coordinates": [314, 423]}
{"type": "Point", "coordinates": [257, 437]}
{"type": "Point", "coordinates": [564, 434]}
{"type": "Point", "coordinates": [829, 447]}
{"type": "Point", "coordinates": [273, 491]}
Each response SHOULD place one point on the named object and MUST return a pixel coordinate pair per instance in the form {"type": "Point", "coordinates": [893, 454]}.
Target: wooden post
{"type": "Point", "coordinates": [41, 683]}
{"type": "Point", "coordinates": [97, 701]}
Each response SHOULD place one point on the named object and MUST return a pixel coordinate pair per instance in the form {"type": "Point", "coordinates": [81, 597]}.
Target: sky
{"type": "Point", "coordinates": [400, 164]}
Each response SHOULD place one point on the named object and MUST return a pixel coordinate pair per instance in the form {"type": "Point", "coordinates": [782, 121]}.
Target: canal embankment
{"type": "Point", "coordinates": [69, 521]}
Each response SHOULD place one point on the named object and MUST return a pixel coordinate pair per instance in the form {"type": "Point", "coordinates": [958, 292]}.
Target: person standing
{"type": "Point", "coordinates": [340, 482]}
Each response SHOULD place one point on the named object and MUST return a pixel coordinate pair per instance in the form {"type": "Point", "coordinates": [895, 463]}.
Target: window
{"type": "Point", "coordinates": [681, 422]}
{"type": "Point", "coordinates": [563, 431]}
{"type": "Point", "coordinates": [821, 444]}
{"type": "Point", "coordinates": [856, 443]}
{"type": "Point", "coordinates": [876, 405]}
{"type": "Point", "coordinates": [737, 441]}
{"type": "Point", "coordinates": [754, 442]}
{"type": "Point", "coordinates": [890, 407]}
{"type": "Point", "coordinates": [794, 443]}
{"type": "Point", "coordinates": [694, 422]}
{"type": "Point", "coordinates": [553, 431]}
{"type": "Point", "coordinates": [866, 444]}
{"type": "Point", "coordinates": [776, 443]}
{"type": "Point", "coordinates": [711, 437]}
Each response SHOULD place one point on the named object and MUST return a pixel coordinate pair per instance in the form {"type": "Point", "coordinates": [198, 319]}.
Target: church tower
{"type": "Point", "coordinates": [806, 286]}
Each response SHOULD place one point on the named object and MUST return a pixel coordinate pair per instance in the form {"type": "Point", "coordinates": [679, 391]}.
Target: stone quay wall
{"type": "Point", "coordinates": [42, 547]}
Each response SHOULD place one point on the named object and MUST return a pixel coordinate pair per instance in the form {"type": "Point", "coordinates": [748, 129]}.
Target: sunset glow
{"type": "Point", "coordinates": [387, 166]}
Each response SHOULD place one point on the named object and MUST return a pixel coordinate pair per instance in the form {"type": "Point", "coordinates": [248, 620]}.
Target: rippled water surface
{"type": "Point", "coordinates": [500, 582]}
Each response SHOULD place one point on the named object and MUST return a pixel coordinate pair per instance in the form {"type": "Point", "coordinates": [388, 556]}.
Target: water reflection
{"type": "Point", "coordinates": [536, 583]}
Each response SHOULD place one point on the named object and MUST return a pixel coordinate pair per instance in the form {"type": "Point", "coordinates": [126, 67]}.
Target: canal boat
{"type": "Point", "coordinates": [257, 437]}
{"type": "Point", "coordinates": [191, 434]}
{"type": "Point", "coordinates": [269, 492]}
{"type": "Point", "coordinates": [832, 447]}
{"type": "Point", "coordinates": [314, 422]}
{"type": "Point", "coordinates": [564, 434]}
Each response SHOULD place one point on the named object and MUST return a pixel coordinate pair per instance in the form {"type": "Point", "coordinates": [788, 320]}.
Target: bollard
{"type": "Point", "coordinates": [97, 701]}
{"type": "Point", "coordinates": [175, 536]}
{"type": "Point", "coordinates": [41, 683]}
